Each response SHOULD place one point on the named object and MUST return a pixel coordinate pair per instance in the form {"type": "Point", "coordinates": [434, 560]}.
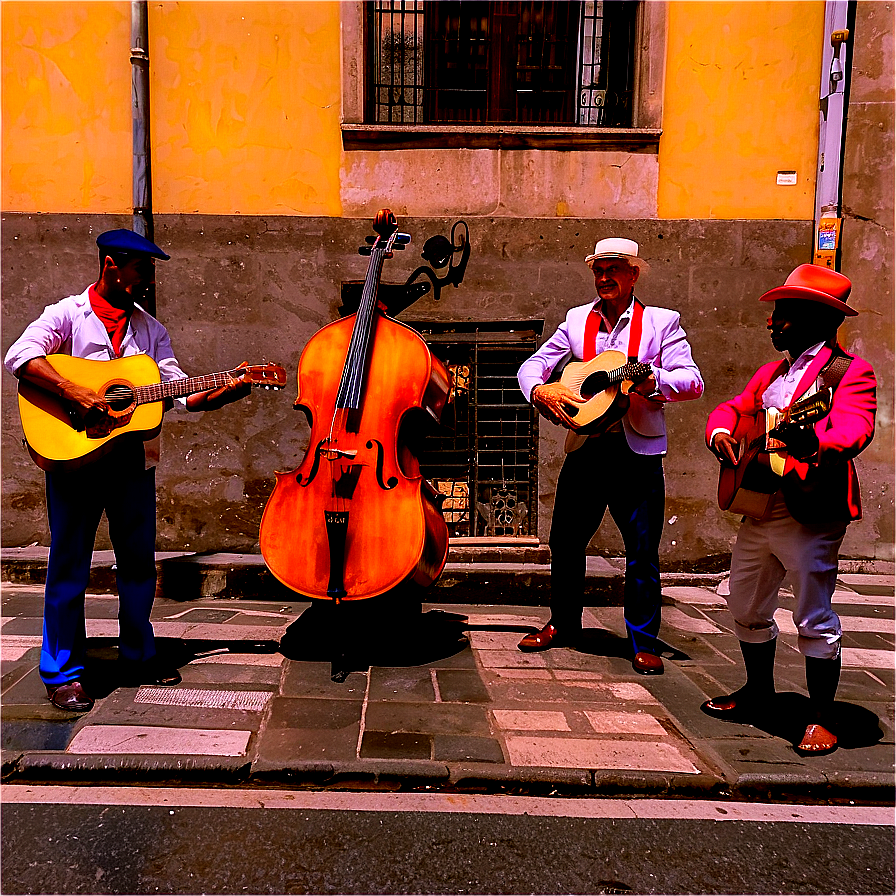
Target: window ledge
{"type": "Point", "coordinates": [498, 136]}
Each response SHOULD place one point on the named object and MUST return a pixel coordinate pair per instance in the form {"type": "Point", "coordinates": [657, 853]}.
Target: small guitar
{"type": "Point", "coordinates": [605, 382]}
{"type": "Point", "coordinates": [748, 487]}
{"type": "Point", "coordinates": [58, 439]}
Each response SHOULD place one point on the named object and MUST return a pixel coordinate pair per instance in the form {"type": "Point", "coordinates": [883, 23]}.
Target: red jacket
{"type": "Point", "coordinates": [825, 490]}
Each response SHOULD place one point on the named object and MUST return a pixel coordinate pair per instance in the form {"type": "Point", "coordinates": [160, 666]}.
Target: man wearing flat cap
{"type": "Point", "coordinates": [800, 526]}
{"type": "Point", "coordinates": [103, 322]}
{"type": "Point", "coordinates": [622, 467]}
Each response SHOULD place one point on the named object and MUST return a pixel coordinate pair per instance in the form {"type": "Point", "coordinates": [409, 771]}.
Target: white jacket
{"type": "Point", "coordinates": [663, 345]}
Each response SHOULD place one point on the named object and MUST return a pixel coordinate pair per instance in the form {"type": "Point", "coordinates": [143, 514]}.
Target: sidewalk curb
{"type": "Point", "coordinates": [185, 577]}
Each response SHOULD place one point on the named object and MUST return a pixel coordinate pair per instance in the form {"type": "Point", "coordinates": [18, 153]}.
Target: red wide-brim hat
{"type": "Point", "coordinates": [814, 284]}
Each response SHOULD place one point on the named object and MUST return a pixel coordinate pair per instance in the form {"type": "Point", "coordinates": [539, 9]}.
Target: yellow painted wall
{"type": "Point", "coordinates": [741, 103]}
{"type": "Point", "coordinates": [66, 114]}
{"type": "Point", "coordinates": [246, 96]}
{"type": "Point", "coordinates": [246, 107]}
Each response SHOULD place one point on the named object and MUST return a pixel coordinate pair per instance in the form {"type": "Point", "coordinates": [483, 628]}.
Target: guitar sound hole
{"type": "Point", "coordinates": [119, 397]}
{"type": "Point", "coordinates": [595, 383]}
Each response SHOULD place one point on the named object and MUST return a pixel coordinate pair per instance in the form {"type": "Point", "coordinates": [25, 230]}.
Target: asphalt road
{"type": "Point", "coordinates": [141, 840]}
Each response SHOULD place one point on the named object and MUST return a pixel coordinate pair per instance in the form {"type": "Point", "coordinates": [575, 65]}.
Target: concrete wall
{"type": "Point", "coordinates": [258, 288]}
{"type": "Point", "coordinates": [867, 252]}
{"type": "Point", "coordinates": [263, 210]}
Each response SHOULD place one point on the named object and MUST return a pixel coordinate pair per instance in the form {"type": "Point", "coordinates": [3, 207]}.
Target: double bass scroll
{"type": "Point", "coordinates": [356, 518]}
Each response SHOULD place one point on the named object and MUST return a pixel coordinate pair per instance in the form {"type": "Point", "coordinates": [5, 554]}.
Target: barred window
{"type": "Point", "coordinates": [478, 62]}
{"type": "Point", "coordinates": [484, 457]}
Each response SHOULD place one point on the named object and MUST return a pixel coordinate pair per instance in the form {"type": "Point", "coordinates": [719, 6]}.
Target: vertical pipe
{"type": "Point", "coordinates": [142, 180]}
{"type": "Point", "coordinates": [832, 115]}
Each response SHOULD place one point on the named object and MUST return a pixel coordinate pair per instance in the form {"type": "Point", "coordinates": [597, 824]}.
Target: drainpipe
{"type": "Point", "coordinates": [835, 70]}
{"type": "Point", "coordinates": [142, 179]}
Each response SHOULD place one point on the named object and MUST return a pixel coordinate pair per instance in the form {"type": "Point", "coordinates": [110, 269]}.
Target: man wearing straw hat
{"type": "Point", "coordinates": [622, 467]}
{"type": "Point", "coordinates": [798, 531]}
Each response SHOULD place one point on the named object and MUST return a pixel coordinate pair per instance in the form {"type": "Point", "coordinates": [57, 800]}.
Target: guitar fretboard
{"type": "Point", "coordinates": [180, 388]}
{"type": "Point", "coordinates": [633, 370]}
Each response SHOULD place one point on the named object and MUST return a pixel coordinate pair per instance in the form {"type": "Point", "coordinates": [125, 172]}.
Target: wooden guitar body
{"type": "Point", "coordinates": [748, 488]}
{"type": "Point", "coordinates": [605, 405]}
{"type": "Point", "coordinates": [51, 435]}
{"type": "Point", "coordinates": [134, 392]}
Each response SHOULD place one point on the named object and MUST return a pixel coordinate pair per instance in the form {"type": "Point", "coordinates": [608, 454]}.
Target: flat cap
{"type": "Point", "coordinates": [128, 241]}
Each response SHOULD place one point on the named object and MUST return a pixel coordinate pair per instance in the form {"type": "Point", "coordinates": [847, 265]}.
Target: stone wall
{"type": "Point", "coordinates": [252, 288]}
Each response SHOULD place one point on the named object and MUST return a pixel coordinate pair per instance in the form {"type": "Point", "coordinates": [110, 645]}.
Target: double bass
{"type": "Point", "coordinates": [356, 518]}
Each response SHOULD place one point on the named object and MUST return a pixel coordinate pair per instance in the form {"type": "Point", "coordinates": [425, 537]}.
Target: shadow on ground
{"type": "Point", "coordinates": [103, 675]}
{"type": "Point", "coordinates": [790, 713]}
{"type": "Point", "coordinates": [353, 637]}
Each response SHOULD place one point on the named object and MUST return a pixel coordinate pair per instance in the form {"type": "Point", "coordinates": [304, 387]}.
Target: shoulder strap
{"type": "Point", "coordinates": [634, 332]}
{"type": "Point", "coordinates": [833, 371]}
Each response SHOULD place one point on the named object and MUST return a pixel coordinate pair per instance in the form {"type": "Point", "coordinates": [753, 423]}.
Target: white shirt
{"type": "Point", "coordinates": [71, 327]}
{"type": "Point", "coordinates": [780, 391]}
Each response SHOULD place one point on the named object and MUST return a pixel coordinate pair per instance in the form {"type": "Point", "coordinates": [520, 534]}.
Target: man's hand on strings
{"type": "Point", "coordinates": [725, 447]}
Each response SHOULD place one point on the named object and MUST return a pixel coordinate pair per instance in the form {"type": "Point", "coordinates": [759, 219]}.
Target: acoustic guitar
{"type": "Point", "coordinates": [748, 487]}
{"type": "Point", "coordinates": [57, 438]}
{"type": "Point", "coordinates": [605, 382]}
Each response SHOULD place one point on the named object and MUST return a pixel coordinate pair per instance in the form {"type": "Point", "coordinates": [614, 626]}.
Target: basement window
{"type": "Point", "coordinates": [484, 457]}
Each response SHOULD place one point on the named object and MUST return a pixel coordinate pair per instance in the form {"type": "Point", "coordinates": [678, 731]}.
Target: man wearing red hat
{"type": "Point", "coordinates": [799, 530]}
{"type": "Point", "coordinates": [621, 469]}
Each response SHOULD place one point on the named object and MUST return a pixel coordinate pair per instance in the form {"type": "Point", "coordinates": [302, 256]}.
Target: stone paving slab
{"type": "Point", "coordinates": [466, 710]}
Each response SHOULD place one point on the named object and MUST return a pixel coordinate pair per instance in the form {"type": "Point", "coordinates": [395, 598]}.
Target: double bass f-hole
{"type": "Point", "coordinates": [355, 518]}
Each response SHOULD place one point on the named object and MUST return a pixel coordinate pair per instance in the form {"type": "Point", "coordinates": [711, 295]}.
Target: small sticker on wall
{"type": "Point", "coordinates": [787, 178]}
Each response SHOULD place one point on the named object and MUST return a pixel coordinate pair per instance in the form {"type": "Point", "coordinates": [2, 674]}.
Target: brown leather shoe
{"type": "Point", "coordinates": [70, 696]}
{"type": "Point", "coordinates": [738, 706]}
{"type": "Point", "coordinates": [817, 741]}
{"type": "Point", "coordinates": [647, 663]}
{"type": "Point", "coordinates": [547, 637]}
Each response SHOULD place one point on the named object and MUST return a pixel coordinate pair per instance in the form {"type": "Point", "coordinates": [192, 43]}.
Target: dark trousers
{"type": "Point", "coordinates": [119, 485]}
{"type": "Point", "coordinates": [606, 473]}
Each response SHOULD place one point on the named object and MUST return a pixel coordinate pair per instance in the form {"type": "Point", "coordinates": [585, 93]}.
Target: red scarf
{"type": "Point", "coordinates": [115, 320]}
{"type": "Point", "coordinates": [592, 328]}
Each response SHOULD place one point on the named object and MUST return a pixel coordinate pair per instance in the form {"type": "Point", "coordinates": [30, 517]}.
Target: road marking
{"type": "Point", "coordinates": [594, 753]}
{"type": "Point", "coordinates": [871, 659]}
{"type": "Point", "coordinates": [14, 647]}
{"type": "Point", "coordinates": [784, 618]}
{"type": "Point", "coordinates": [530, 720]}
{"type": "Point", "coordinates": [608, 722]}
{"type": "Point", "coordinates": [684, 623]}
{"type": "Point", "coordinates": [354, 801]}
{"type": "Point", "coordinates": [143, 739]}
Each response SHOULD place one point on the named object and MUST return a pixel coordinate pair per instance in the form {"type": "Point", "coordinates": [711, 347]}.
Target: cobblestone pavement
{"type": "Point", "coordinates": [444, 700]}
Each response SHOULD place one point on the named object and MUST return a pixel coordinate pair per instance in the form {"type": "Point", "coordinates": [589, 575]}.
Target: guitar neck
{"type": "Point", "coordinates": [633, 370]}
{"type": "Point", "coordinates": [182, 387]}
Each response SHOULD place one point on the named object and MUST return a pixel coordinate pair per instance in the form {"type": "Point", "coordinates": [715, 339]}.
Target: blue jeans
{"type": "Point", "coordinates": [605, 473]}
{"type": "Point", "coordinates": [119, 485]}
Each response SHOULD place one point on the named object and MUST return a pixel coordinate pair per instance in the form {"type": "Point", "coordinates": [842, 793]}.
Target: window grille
{"type": "Point", "coordinates": [531, 61]}
{"type": "Point", "coordinates": [484, 457]}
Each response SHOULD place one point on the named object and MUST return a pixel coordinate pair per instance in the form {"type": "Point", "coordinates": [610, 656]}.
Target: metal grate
{"type": "Point", "coordinates": [251, 701]}
{"type": "Point", "coordinates": [484, 457]}
{"type": "Point", "coordinates": [527, 61]}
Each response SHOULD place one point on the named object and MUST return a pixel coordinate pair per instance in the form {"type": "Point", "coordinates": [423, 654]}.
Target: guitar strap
{"type": "Point", "coordinates": [592, 328]}
{"type": "Point", "coordinates": [833, 371]}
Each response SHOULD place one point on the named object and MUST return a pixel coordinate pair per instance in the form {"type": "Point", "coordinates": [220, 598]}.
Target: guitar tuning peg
{"type": "Point", "coordinates": [371, 239]}
{"type": "Point", "coordinates": [364, 250]}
